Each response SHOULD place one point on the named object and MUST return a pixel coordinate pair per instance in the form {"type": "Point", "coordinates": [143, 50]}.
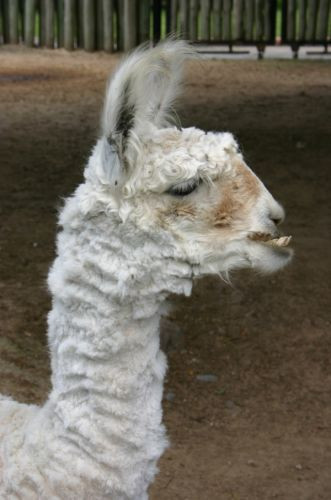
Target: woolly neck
{"type": "Point", "coordinates": [109, 284]}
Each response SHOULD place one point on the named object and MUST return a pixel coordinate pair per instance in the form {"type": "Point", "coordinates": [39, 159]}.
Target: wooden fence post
{"type": "Point", "coordinates": [322, 20]}
{"type": "Point", "coordinates": [99, 25]}
{"type": "Point", "coordinates": [144, 20]}
{"type": "Point", "coordinates": [259, 19]}
{"type": "Point", "coordinates": [89, 24]}
{"type": "Point", "coordinates": [1, 23]}
{"type": "Point", "coordinates": [68, 20]}
{"type": "Point", "coordinates": [41, 22]}
{"type": "Point", "coordinates": [173, 15]}
{"type": "Point", "coordinates": [120, 24]}
{"type": "Point", "coordinates": [217, 16]}
{"type": "Point", "coordinates": [130, 26]}
{"type": "Point", "coordinates": [302, 19]}
{"type": "Point", "coordinates": [3, 13]}
{"type": "Point", "coordinates": [13, 21]}
{"type": "Point", "coordinates": [249, 20]}
{"type": "Point", "coordinates": [267, 29]}
{"type": "Point", "coordinates": [157, 7]}
{"type": "Point", "coordinates": [311, 20]}
{"type": "Point", "coordinates": [80, 24]}
{"type": "Point", "coordinates": [193, 23]}
{"type": "Point", "coordinates": [60, 22]}
{"type": "Point", "coordinates": [205, 19]}
{"type": "Point", "coordinates": [291, 14]}
{"type": "Point", "coordinates": [29, 21]}
{"type": "Point", "coordinates": [226, 20]}
{"type": "Point", "coordinates": [108, 11]}
{"type": "Point", "coordinates": [183, 18]}
{"type": "Point", "coordinates": [238, 11]}
{"type": "Point", "coordinates": [49, 23]}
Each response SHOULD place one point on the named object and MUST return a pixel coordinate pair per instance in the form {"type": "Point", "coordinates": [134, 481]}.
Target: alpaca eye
{"type": "Point", "coordinates": [184, 188]}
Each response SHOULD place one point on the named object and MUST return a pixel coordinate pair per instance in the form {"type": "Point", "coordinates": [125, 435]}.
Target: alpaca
{"type": "Point", "coordinates": [159, 206]}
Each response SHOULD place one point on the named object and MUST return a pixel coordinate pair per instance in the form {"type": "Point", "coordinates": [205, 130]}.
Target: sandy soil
{"type": "Point", "coordinates": [262, 429]}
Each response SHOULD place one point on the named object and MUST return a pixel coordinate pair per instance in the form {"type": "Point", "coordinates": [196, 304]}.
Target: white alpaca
{"type": "Point", "coordinates": [159, 206]}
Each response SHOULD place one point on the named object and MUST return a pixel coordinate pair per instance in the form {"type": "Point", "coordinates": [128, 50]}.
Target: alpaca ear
{"type": "Point", "coordinates": [142, 92]}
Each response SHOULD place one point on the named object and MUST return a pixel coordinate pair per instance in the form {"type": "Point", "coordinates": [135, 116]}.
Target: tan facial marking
{"type": "Point", "coordinates": [177, 209]}
{"type": "Point", "coordinates": [238, 193]}
{"type": "Point", "coordinates": [246, 179]}
{"type": "Point", "coordinates": [183, 210]}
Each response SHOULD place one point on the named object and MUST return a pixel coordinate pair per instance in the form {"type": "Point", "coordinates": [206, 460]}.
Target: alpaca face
{"type": "Point", "coordinates": [191, 188]}
{"type": "Point", "coordinates": [197, 190]}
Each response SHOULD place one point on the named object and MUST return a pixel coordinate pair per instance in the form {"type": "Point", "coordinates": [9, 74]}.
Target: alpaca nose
{"type": "Point", "coordinates": [277, 220]}
{"type": "Point", "coordinates": [276, 212]}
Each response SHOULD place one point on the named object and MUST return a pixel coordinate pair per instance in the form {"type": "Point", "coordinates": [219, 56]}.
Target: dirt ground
{"type": "Point", "coordinates": [261, 430]}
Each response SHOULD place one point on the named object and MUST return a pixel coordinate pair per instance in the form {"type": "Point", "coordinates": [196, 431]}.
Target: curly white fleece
{"type": "Point", "coordinates": [99, 435]}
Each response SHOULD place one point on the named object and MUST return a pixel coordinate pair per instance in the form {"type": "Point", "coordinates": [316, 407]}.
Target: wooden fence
{"type": "Point", "coordinates": [122, 24]}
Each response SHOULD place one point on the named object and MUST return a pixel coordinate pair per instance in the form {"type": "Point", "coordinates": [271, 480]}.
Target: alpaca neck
{"type": "Point", "coordinates": [107, 366]}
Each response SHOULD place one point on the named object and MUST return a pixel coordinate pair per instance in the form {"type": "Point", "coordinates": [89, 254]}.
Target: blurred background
{"type": "Point", "coordinates": [115, 25]}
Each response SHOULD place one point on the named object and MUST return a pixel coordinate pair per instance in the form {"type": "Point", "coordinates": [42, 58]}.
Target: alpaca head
{"type": "Point", "coordinates": [191, 189]}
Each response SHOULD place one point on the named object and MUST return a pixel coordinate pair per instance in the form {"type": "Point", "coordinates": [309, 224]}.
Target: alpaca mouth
{"type": "Point", "coordinates": [269, 240]}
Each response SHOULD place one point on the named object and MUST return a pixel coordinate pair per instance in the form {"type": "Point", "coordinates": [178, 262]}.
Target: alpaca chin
{"type": "Point", "coordinates": [269, 260]}
{"type": "Point", "coordinates": [255, 256]}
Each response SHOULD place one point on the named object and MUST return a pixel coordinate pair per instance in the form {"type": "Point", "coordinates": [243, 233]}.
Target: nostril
{"type": "Point", "coordinates": [277, 221]}
{"type": "Point", "coordinates": [276, 213]}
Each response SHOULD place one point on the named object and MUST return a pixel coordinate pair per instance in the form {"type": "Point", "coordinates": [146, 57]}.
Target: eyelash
{"type": "Point", "coordinates": [185, 188]}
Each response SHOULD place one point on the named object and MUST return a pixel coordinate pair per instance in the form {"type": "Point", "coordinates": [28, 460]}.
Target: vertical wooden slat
{"type": "Point", "coordinates": [49, 23]}
{"type": "Point", "coordinates": [130, 26]}
{"type": "Point", "coordinates": [60, 22]}
{"type": "Point", "coordinates": [29, 21]}
{"type": "Point", "coordinates": [1, 23]}
{"type": "Point", "coordinates": [205, 19]}
{"type": "Point", "coordinates": [108, 12]}
{"type": "Point", "coordinates": [238, 7]}
{"type": "Point", "coordinates": [21, 19]}
{"type": "Point", "coordinates": [259, 4]}
{"type": "Point", "coordinates": [291, 13]}
{"type": "Point", "coordinates": [272, 19]}
{"type": "Point", "coordinates": [79, 23]}
{"type": "Point", "coordinates": [193, 26]}
{"type": "Point", "coordinates": [311, 20]}
{"type": "Point", "coordinates": [217, 18]}
{"type": "Point", "coordinates": [226, 21]}
{"type": "Point", "coordinates": [183, 18]}
{"type": "Point", "coordinates": [144, 20]}
{"type": "Point", "coordinates": [13, 21]}
{"type": "Point", "coordinates": [120, 24]}
{"type": "Point", "coordinates": [69, 20]}
{"type": "Point", "coordinates": [157, 8]}
{"type": "Point", "coordinates": [249, 20]}
{"type": "Point", "coordinates": [89, 24]}
{"type": "Point", "coordinates": [173, 15]}
{"type": "Point", "coordinates": [99, 24]}
{"type": "Point", "coordinates": [267, 29]}
{"type": "Point", "coordinates": [41, 9]}
{"type": "Point", "coordinates": [5, 23]}
{"type": "Point", "coordinates": [322, 20]}
{"type": "Point", "coordinates": [168, 17]}
{"type": "Point", "coordinates": [302, 5]}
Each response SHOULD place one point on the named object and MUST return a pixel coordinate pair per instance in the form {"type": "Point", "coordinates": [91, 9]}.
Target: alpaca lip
{"type": "Point", "coordinates": [268, 239]}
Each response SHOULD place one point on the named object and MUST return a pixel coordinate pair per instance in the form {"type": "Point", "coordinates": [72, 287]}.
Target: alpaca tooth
{"type": "Point", "coordinates": [283, 241]}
